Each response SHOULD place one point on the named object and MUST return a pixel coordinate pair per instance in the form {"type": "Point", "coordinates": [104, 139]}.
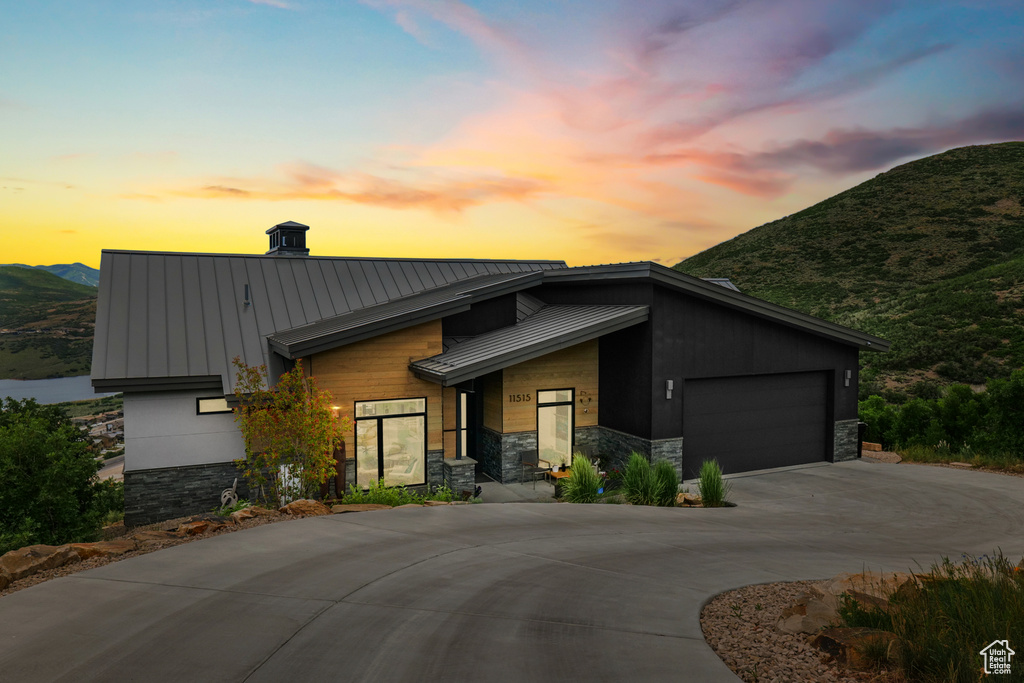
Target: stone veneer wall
{"type": "Point", "coordinates": [490, 453]}
{"type": "Point", "coordinates": [460, 475]}
{"type": "Point", "coordinates": [845, 441]}
{"type": "Point", "coordinates": [615, 447]}
{"type": "Point", "coordinates": [155, 495]}
{"type": "Point", "coordinates": [500, 455]}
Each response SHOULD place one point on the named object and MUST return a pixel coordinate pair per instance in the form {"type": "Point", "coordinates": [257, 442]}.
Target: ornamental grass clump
{"type": "Point", "coordinates": [714, 491]}
{"type": "Point", "coordinates": [666, 484]}
{"type": "Point", "coordinates": [945, 618]}
{"type": "Point", "coordinates": [583, 483]}
{"type": "Point", "coordinates": [638, 481]}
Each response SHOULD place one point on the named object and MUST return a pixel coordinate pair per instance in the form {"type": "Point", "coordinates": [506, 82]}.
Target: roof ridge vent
{"type": "Point", "coordinates": [288, 239]}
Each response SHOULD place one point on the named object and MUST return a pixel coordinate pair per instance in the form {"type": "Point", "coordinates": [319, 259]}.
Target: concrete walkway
{"type": "Point", "coordinates": [522, 592]}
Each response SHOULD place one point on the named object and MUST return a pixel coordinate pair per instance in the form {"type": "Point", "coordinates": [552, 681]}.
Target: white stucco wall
{"type": "Point", "coordinates": [161, 429]}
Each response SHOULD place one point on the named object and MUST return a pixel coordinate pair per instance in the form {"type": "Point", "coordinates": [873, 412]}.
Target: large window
{"type": "Point", "coordinates": [391, 442]}
{"type": "Point", "coordinates": [555, 425]}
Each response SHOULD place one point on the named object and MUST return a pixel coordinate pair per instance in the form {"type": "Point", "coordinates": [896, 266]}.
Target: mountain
{"type": "Point", "coordinates": [929, 255]}
{"type": "Point", "coordinates": [74, 272]}
{"type": "Point", "coordinates": [46, 324]}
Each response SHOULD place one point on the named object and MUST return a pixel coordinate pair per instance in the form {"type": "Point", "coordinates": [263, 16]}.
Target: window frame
{"type": "Point", "coordinates": [379, 419]}
{"type": "Point", "coordinates": [199, 405]}
{"type": "Point", "coordinates": [572, 415]}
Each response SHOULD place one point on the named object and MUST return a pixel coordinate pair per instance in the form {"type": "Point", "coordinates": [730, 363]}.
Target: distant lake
{"type": "Point", "coordinates": [50, 390]}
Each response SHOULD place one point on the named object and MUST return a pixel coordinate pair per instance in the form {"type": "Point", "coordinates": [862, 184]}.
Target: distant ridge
{"type": "Point", "coordinates": [929, 255]}
{"type": "Point", "coordinates": [46, 324]}
{"type": "Point", "coordinates": [73, 272]}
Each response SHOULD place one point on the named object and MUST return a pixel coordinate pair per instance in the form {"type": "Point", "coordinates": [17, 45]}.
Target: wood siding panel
{"type": "Point", "coordinates": [575, 367]}
{"type": "Point", "coordinates": [378, 368]}
{"type": "Point", "coordinates": [448, 394]}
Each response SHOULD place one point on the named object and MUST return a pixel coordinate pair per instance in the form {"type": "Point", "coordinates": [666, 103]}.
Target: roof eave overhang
{"type": "Point", "coordinates": [727, 297]}
{"type": "Point", "coordinates": [516, 356]}
{"type": "Point", "coordinates": [136, 384]}
{"type": "Point", "coordinates": [363, 332]}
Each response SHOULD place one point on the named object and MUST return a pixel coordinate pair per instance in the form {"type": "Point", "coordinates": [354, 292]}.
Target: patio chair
{"type": "Point", "coordinates": [530, 464]}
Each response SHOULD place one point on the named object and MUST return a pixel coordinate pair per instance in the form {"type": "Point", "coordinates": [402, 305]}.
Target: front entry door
{"type": "Point", "coordinates": [555, 426]}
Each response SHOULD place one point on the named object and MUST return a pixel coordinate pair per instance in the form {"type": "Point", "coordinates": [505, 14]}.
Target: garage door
{"type": "Point", "coordinates": [752, 423]}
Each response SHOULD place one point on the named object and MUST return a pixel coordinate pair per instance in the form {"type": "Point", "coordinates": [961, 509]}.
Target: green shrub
{"type": "Point", "coordinates": [714, 491]}
{"type": "Point", "coordinates": [946, 618]}
{"type": "Point", "coordinates": [381, 494]}
{"type": "Point", "coordinates": [226, 511]}
{"type": "Point", "coordinates": [442, 493]}
{"type": "Point", "coordinates": [666, 484]}
{"type": "Point", "coordinates": [583, 482]}
{"type": "Point", "coordinates": [638, 481]}
{"type": "Point", "coordinates": [990, 422]}
{"type": "Point", "coordinates": [50, 493]}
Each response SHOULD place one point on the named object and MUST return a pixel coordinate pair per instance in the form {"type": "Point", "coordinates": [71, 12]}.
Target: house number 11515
{"type": "Point", "coordinates": [518, 398]}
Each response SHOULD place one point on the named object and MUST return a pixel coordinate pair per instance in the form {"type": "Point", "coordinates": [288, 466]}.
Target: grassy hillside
{"type": "Point", "coordinates": [929, 255]}
{"type": "Point", "coordinates": [47, 325]}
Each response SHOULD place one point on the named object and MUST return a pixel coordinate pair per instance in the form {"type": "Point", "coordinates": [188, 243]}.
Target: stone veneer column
{"type": "Point", "coordinates": [671, 450]}
{"type": "Point", "coordinates": [845, 444]}
{"type": "Point", "coordinates": [435, 470]}
{"type": "Point", "coordinates": [460, 475]}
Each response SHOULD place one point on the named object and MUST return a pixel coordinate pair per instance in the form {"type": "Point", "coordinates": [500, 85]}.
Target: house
{"type": "Point", "coordinates": [451, 366]}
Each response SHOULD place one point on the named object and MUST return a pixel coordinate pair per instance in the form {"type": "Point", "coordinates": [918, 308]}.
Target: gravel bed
{"type": "Point", "coordinates": [739, 626]}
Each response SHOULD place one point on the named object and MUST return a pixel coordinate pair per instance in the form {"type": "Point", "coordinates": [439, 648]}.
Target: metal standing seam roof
{"type": "Point", "coordinates": [720, 294]}
{"type": "Point", "coordinates": [550, 329]}
{"type": "Point", "coordinates": [167, 320]}
{"type": "Point", "coordinates": [397, 314]}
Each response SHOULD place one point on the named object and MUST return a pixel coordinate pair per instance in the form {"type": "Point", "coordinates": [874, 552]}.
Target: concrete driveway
{"type": "Point", "coordinates": [515, 592]}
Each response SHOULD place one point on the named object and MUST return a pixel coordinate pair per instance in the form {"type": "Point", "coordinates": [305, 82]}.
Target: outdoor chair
{"type": "Point", "coordinates": [530, 464]}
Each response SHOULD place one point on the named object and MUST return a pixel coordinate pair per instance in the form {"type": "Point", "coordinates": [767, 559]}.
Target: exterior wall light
{"type": "Point", "coordinates": [669, 384]}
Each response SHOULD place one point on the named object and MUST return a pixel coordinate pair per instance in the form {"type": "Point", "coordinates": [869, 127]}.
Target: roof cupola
{"type": "Point", "coordinates": [288, 239]}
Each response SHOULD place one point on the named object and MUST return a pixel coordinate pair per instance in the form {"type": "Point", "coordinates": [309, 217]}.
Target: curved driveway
{"type": "Point", "coordinates": [514, 592]}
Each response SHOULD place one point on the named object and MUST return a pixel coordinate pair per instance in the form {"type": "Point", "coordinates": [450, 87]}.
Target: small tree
{"type": "Point", "coordinates": [49, 478]}
{"type": "Point", "coordinates": [291, 424]}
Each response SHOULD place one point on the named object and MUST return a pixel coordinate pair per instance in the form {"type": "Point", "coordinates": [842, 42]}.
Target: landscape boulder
{"type": "Point", "coordinates": [5, 579]}
{"type": "Point", "coordinates": [305, 506]}
{"type": "Point", "coordinates": [104, 548]}
{"type": "Point", "coordinates": [818, 606]}
{"type": "Point", "coordinates": [812, 611]}
{"type": "Point", "coordinates": [870, 589]}
{"type": "Point", "coordinates": [243, 514]}
{"type": "Point", "coordinates": [858, 648]}
{"type": "Point", "coordinates": [688, 499]}
{"type": "Point", "coordinates": [155, 536]}
{"type": "Point", "coordinates": [201, 524]}
{"type": "Point", "coordinates": [36, 558]}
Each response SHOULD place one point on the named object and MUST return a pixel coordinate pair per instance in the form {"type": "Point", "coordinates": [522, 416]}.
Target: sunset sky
{"type": "Point", "coordinates": [592, 132]}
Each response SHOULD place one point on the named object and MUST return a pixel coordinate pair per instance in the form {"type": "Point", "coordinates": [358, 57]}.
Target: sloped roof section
{"type": "Point", "coordinates": [167, 320]}
{"type": "Point", "coordinates": [550, 329]}
{"type": "Point", "coordinates": [398, 314]}
{"type": "Point", "coordinates": [720, 294]}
